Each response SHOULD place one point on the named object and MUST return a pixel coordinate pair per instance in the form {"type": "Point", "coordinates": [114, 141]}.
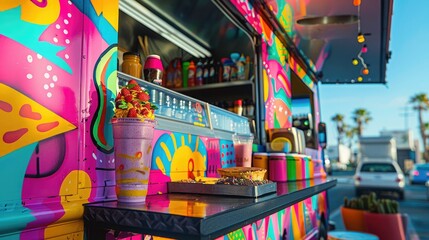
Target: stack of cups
{"type": "Point", "coordinates": [153, 69]}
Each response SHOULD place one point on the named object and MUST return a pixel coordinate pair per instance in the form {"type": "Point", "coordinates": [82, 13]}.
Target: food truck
{"type": "Point", "coordinates": [62, 68]}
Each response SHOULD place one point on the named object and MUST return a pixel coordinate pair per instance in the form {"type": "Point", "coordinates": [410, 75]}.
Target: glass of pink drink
{"type": "Point", "coordinates": [243, 149]}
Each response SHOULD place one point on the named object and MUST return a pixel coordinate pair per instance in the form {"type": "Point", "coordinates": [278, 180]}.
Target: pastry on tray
{"type": "Point", "coordinates": [250, 173]}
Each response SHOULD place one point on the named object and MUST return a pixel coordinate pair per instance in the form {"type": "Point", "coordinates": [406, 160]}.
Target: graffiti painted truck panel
{"type": "Point", "coordinates": [58, 81]}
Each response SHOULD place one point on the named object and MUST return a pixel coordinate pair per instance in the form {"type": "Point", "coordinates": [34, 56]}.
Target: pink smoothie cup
{"type": "Point", "coordinates": [133, 153]}
{"type": "Point", "coordinates": [243, 149]}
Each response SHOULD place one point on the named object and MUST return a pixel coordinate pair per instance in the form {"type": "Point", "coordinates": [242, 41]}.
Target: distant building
{"type": "Point", "coordinates": [407, 147]}
{"type": "Point", "coordinates": [344, 155]}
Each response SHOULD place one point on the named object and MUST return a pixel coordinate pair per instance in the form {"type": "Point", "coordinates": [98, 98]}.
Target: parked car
{"type": "Point", "coordinates": [419, 173]}
{"type": "Point", "coordinates": [379, 175]}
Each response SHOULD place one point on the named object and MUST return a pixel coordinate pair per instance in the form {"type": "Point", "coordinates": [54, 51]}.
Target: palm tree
{"type": "Point", "coordinates": [350, 133]}
{"type": "Point", "coordinates": [361, 117]}
{"type": "Point", "coordinates": [421, 104]}
{"type": "Point", "coordinates": [339, 121]}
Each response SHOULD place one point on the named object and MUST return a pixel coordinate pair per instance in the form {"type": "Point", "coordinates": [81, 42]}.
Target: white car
{"type": "Point", "coordinates": [379, 175]}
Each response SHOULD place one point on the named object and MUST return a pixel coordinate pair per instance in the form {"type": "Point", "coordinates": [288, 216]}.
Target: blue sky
{"type": "Point", "coordinates": [407, 75]}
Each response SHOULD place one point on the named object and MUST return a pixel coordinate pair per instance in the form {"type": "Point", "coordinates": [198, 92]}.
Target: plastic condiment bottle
{"type": "Point", "coordinates": [185, 66]}
{"type": "Point", "coordinates": [247, 68]}
{"type": "Point", "coordinates": [131, 64]}
{"type": "Point", "coordinates": [191, 74]}
{"type": "Point", "coordinates": [218, 72]}
{"type": "Point", "coordinates": [238, 107]}
{"type": "Point", "coordinates": [241, 68]}
{"type": "Point", "coordinates": [177, 76]}
{"type": "Point", "coordinates": [226, 71]}
{"type": "Point", "coordinates": [199, 74]}
{"type": "Point", "coordinates": [206, 70]}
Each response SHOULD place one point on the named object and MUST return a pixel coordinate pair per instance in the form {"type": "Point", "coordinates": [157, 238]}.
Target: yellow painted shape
{"type": "Point", "coordinates": [166, 150]}
{"type": "Point", "coordinates": [295, 225]}
{"type": "Point", "coordinates": [160, 165]}
{"type": "Point", "coordinates": [72, 204]}
{"type": "Point", "coordinates": [30, 12]}
{"type": "Point", "coordinates": [109, 9]}
{"type": "Point", "coordinates": [181, 162]}
{"type": "Point", "coordinates": [281, 50]}
{"type": "Point", "coordinates": [265, 82]}
{"type": "Point", "coordinates": [70, 230]}
{"type": "Point", "coordinates": [8, 4]}
{"type": "Point", "coordinates": [12, 121]}
{"type": "Point", "coordinates": [286, 19]}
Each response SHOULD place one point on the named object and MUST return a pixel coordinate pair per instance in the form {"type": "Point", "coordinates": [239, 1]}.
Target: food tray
{"type": "Point", "coordinates": [222, 189]}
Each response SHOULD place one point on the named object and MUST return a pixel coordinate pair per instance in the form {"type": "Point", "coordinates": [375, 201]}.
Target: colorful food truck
{"type": "Point", "coordinates": [61, 71]}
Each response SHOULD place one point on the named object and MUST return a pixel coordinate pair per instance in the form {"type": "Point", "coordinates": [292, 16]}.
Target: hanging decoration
{"type": "Point", "coordinates": [360, 37]}
{"type": "Point", "coordinates": [356, 2]}
{"type": "Point", "coordinates": [364, 48]}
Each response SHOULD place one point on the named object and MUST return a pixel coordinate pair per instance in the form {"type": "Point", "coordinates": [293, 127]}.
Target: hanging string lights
{"type": "Point", "coordinates": [364, 48]}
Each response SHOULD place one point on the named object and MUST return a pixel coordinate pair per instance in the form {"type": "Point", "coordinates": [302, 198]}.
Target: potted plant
{"type": "Point", "coordinates": [353, 211]}
{"type": "Point", "coordinates": [384, 220]}
{"type": "Point", "coordinates": [380, 217]}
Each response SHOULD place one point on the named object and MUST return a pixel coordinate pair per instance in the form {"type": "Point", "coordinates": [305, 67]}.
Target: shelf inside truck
{"type": "Point", "coordinates": [194, 216]}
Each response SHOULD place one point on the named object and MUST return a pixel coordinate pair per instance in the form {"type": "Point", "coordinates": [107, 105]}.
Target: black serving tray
{"type": "Point", "coordinates": [222, 189]}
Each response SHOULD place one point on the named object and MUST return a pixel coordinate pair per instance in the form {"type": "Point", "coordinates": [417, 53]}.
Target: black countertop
{"type": "Point", "coordinates": [195, 216]}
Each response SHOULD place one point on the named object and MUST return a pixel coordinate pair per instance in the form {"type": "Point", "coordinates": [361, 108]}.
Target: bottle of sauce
{"type": "Point", "coordinates": [177, 76]}
{"type": "Point", "coordinates": [218, 72]}
{"type": "Point", "coordinates": [247, 68]}
{"type": "Point", "coordinates": [238, 107]}
{"type": "Point", "coordinates": [226, 70]}
{"type": "Point", "coordinates": [199, 74]}
{"type": "Point", "coordinates": [241, 68]}
{"type": "Point", "coordinates": [185, 67]}
{"type": "Point", "coordinates": [191, 74]}
{"type": "Point", "coordinates": [212, 72]}
{"type": "Point", "coordinates": [131, 64]}
{"type": "Point", "coordinates": [169, 80]}
{"type": "Point", "coordinates": [206, 69]}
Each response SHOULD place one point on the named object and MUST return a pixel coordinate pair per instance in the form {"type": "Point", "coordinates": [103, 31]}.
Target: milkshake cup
{"type": "Point", "coordinates": [243, 149]}
{"type": "Point", "coordinates": [133, 151]}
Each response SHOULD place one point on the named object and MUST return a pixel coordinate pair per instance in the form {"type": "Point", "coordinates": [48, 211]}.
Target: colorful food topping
{"type": "Point", "coordinates": [133, 102]}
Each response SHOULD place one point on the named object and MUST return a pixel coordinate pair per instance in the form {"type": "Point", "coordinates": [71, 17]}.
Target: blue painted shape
{"type": "Point", "coordinates": [227, 153]}
{"type": "Point", "coordinates": [12, 172]}
{"type": "Point", "coordinates": [107, 32]}
{"type": "Point", "coordinates": [167, 139]}
{"type": "Point", "coordinates": [28, 34]}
